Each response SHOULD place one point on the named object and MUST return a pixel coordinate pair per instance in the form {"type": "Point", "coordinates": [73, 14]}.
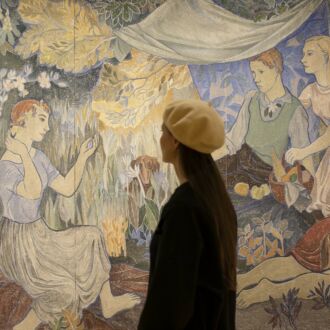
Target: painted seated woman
{"type": "Point", "coordinates": [59, 269]}
{"type": "Point", "coordinates": [270, 118]}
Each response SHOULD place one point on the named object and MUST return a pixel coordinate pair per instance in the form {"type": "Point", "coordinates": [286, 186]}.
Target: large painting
{"type": "Point", "coordinates": [82, 183]}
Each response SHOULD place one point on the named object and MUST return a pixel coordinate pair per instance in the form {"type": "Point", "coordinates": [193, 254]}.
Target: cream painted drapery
{"type": "Point", "coordinates": [201, 32]}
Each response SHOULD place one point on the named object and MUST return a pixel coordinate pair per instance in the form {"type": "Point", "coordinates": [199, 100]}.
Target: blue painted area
{"type": "Point", "coordinates": [226, 84]}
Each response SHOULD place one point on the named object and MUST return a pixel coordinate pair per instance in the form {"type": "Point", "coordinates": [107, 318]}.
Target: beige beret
{"type": "Point", "coordinates": [195, 124]}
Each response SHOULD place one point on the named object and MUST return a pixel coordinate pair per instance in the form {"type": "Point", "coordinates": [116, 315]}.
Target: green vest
{"type": "Point", "coordinates": [265, 136]}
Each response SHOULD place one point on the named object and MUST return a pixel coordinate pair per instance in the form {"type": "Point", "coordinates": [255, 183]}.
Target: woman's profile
{"type": "Point", "coordinates": [60, 270]}
{"type": "Point", "coordinates": [192, 282]}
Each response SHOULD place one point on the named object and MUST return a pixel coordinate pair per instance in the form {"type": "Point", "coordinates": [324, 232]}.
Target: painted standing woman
{"type": "Point", "coordinates": [59, 269]}
{"type": "Point", "coordinates": [316, 96]}
{"type": "Point", "coordinates": [192, 282]}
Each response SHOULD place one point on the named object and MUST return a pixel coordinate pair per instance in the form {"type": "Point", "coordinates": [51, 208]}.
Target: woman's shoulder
{"type": "Point", "coordinates": [183, 201]}
{"type": "Point", "coordinates": [308, 90]}
{"type": "Point", "coordinates": [251, 94]}
{"type": "Point", "coordinates": [183, 194]}
{"type": "Point", "coordinates": [40, 156]}
{"type": "Point", "coordinates": [8, 168]}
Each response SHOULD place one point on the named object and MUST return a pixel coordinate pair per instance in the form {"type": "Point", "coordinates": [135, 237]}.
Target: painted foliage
{"type": "Point", "coordinates": [99, 141]}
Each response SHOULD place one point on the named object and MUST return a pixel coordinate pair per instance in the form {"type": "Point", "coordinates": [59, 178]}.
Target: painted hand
{"type": "Point", "coordinates": [89, 146]}
{"type": "Point", "coordinates": [294, 154]}
{"type": "Point", "coordinates": [15, 146]}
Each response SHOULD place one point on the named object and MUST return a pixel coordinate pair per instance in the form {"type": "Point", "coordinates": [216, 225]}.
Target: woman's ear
{"type": "Point", "coordinates": [176, 143]}
{"type": "Point", "coordinates": [13, 130]}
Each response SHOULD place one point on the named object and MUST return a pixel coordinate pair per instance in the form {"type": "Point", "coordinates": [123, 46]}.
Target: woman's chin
{"type": "Point", "coordinates": [308, 70]}
{"type": "Point", "coordinates": [38, 138]}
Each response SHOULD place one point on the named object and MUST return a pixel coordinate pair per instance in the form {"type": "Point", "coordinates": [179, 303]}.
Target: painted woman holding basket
{"type": "Point", "coordinates": [60, 270]}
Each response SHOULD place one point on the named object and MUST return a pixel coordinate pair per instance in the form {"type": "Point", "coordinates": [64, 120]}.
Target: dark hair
{"type": "Point", "coordinates": [208, 186]}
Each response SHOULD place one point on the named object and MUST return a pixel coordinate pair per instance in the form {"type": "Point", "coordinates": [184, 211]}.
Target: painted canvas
{"type": "Point", "coordinates": [82, 183]}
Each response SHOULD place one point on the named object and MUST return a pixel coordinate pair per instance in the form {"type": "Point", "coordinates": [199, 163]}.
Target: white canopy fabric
{"type": "Point", "coordinates": [201, 32]}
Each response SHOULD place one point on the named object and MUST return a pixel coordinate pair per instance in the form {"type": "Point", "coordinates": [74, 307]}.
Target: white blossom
{"type": "Point", "coordinates": [43, 80]}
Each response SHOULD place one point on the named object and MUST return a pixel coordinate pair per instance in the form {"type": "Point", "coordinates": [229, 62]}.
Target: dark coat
{"type": "Point", "coordinates": [186, 286]}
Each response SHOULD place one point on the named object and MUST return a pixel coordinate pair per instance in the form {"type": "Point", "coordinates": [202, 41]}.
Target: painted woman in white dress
{"type": "Point", "coordinates": [60, 270]}
{"type": "Point", "coordinates": [316, 96]}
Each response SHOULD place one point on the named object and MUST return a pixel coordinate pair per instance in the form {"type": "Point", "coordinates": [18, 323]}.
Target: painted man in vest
{"type": "Point", "coordinates": [270, 119]}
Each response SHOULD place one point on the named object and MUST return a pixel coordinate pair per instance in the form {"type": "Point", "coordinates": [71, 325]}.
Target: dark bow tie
{"type": "Point", "coordinates": [269, 113]}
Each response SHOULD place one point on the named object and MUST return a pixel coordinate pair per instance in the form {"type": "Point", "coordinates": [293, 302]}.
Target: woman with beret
{"type": "Point", "coordinates": [192, 282]}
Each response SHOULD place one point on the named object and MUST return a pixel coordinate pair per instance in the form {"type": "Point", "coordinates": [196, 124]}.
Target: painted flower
{"type": "Point", "coordinates": [133, 172]}
{"type": "Point", "coordinates": [19, 83]}
{"type": "Point", "coordinates": [43, 80]}
{"type": "Point", "coordinates": [3, 98]}
{"type": "Point", "coordinates": [23, 93]}
{"type": "Point", "coordinates": [8, 84]}
{"type": "Point", "coordinates": [27, 70]}
{"type": "Point", "coordinates": [11, 74]}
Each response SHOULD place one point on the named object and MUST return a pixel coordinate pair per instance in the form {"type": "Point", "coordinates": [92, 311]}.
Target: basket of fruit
{"type": "Point", "coordinates": [297, 174]}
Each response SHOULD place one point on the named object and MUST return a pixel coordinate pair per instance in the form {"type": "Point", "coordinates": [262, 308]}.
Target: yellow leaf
{"type": "Point", "coordinates": [276, 233]}
{"type": "Point", "coordinates": [272, 244]}
{"type": "Point", "coordinates": [258, 240]}
{"type": "Point", "coordinates": [67, 34]}
{"type": "Point", "coordinates": [243, 251]}
{"type": "Point", "coordinates": [253, 242]}
{"type": "Point", "coordinates": [32, 11]}
{"type": "Point", "coordinates": [140, 86]}
{"type": "Point", "coordinates": [259, 251]}
{"type": "Point", "coordinates": [250, 260]}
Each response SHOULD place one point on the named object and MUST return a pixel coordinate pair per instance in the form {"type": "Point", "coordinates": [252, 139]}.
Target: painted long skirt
{"type": "Point", "coordinates": [59, 269]}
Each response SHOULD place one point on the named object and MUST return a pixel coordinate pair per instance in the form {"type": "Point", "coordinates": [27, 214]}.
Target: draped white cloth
{"type": "Point", "coordinates": [201, 32]}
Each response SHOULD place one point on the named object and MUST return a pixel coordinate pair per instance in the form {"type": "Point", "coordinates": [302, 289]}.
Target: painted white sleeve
{"type": "Point", "coordinates": [298, 129]}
